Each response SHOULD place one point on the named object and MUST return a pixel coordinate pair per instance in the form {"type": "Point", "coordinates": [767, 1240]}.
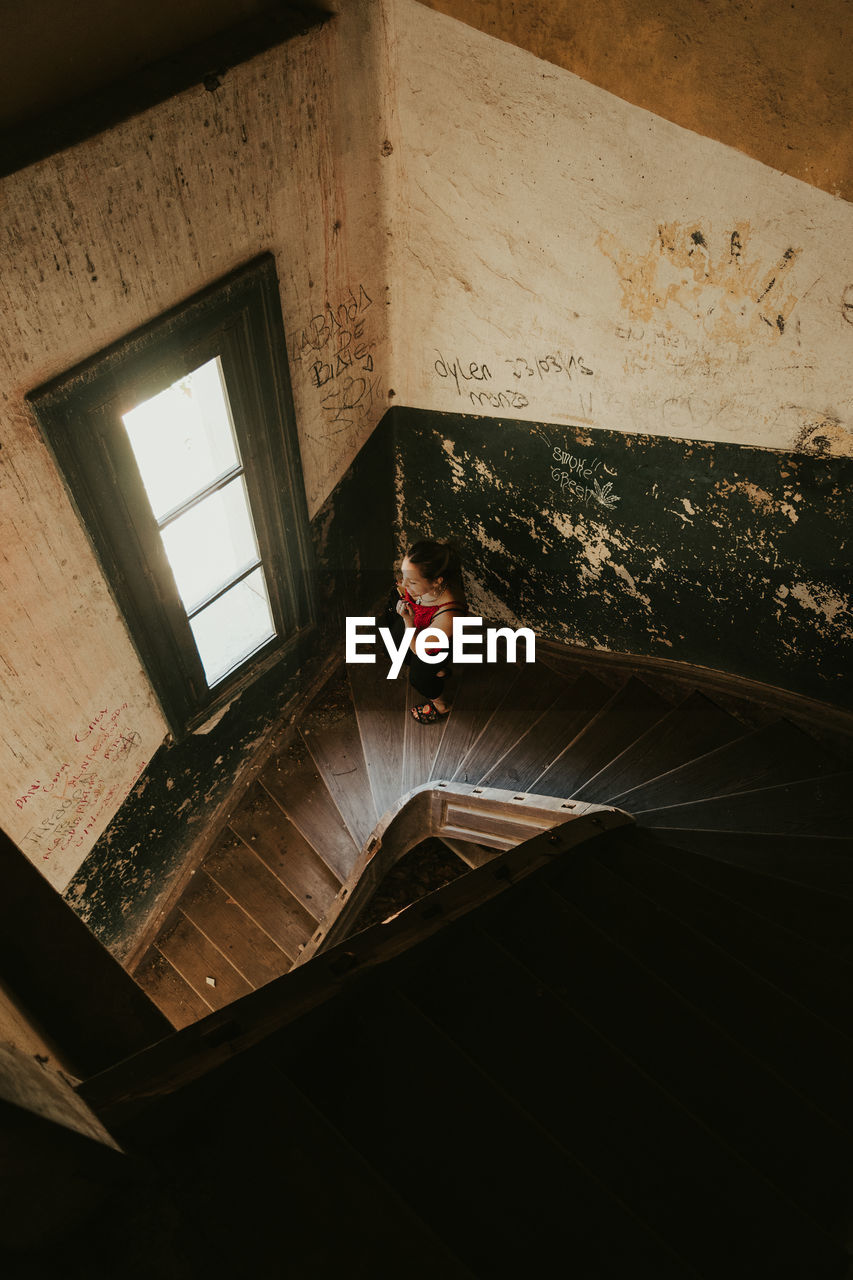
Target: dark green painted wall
{"type": "Point", "coordinates": [134, 863]}
{"type": "Point", "coordinates": [355, 534]}
{"type": "Point", "coordinates": [734, 558]}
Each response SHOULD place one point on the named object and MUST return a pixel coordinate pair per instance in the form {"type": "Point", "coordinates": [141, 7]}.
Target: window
{"type": "Point", "coordinates": [179, 448]}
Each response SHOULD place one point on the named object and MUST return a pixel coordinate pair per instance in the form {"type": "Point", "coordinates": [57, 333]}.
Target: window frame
{"type": "Point", "coordinates": [79, 413]}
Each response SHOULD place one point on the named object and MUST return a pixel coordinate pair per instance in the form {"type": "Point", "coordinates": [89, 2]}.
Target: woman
{"type": "Point", "coordinates": [433, 595]}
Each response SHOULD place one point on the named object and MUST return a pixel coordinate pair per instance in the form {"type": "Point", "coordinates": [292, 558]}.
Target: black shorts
{"type": "Point", "coordinates": [424, 676]}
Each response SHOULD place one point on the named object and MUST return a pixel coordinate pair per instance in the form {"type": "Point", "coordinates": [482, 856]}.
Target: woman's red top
{"type": "Point", "coordinates": [424, 614]}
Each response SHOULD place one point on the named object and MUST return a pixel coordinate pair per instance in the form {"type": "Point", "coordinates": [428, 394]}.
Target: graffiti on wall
{"type": "Point", "coordinates": [69, 801]}
{"type": "Point", "coordinates": [337, 349]}
{"type": "Point", "coordinates": [733, 292]}
{"type": "Point", "coordinates": [586, 478]}
{"type": "Point", "coordinates": [512, 382]}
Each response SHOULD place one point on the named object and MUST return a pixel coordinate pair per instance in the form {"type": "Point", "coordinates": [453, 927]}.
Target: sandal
{"type": "Point", "coordinates": [428, 713]}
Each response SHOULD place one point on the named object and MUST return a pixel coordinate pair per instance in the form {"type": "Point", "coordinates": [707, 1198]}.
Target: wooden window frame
{"type": "Point", "coordinates": [238, 319]}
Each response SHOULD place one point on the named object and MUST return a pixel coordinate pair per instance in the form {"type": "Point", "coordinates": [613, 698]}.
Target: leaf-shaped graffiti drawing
{"type": "Point", "coordinates": [602, 494]}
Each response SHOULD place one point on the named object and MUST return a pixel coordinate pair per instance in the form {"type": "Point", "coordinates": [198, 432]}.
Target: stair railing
{"type": "Point", "coordinates": [450, 811]}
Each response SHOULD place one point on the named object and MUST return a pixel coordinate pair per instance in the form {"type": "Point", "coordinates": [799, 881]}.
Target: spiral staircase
{"type": "Point", "coordinates": [614, 1038]}
{"type": "Point", "coordinates": [619, 1041]}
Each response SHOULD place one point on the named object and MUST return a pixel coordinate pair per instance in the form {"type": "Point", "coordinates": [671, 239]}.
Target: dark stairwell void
{"type": "Point", "coordinates": [428, 867]}
{"type": "Point", "coordinates": [634, 1049]}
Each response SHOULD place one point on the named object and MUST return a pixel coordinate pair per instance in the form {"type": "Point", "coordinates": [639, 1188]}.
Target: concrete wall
{"type": "Point", "coordinates": [575, 259]}
{"type": "Point", "coordinates": [286, 155]}
{"type": "Point", "coordinates": [770, 79]}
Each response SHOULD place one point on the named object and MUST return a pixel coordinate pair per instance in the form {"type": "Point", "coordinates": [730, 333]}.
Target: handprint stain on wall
{"type": "Point", "coordinates": [734, 292]}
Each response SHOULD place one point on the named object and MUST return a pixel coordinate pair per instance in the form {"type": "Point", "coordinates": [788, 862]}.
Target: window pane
{"type": "Point", "coordinates": [211, 543]}
{"type": "Point", "coordinates": [233, 627]}
{"type": "Point", "coordinates": [182, 438]}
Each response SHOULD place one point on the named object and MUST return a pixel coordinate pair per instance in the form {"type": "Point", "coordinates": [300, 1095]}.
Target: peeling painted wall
{"type": "Point", "coordinates": [727, 557]}
{"type": "Point", "coordinates": [131, 868]}
{"type": "Point", "coordinates": [285, 155]}
{"type": "Point", "coordinates": [575, 259]}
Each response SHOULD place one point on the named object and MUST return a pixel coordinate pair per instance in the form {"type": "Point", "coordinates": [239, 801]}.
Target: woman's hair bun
{"type": "Point", "coordinates": [436, 559]}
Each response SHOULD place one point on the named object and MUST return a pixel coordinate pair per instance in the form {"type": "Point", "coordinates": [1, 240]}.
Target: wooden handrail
{"type": "Point", "coordinates": [454, 811]}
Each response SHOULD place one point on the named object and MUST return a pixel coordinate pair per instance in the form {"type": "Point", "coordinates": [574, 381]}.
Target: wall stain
{"type": "Point", "coordinates": [824, 436]}
{"type": "Point", "coordinates": [829, 604]}
{"type": "Point", "coordinates": [721, 282]}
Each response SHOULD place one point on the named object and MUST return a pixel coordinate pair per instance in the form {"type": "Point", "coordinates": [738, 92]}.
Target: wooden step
{"type": "Point", "coordinates": [245, 878]}
{"type": "Point", "coordinates": [479, 691]}
{"type": "Point", "coordinates": [741, 1099]}
{"type": "Point", "coordinates": [171, 993]}
{"type": "Point", "coordinates": [262, 825]}
{"type": "Point", "coordinates": [504, 1195]}
{"type": "Point", "coordinates": [545, 738]}
{"type": "Point", "coordinates": [705, 949]}
{"type": "Point", "coordinates": [819, 861]}
{"type": "Point", "coordinates": [802, 968]}
{"type": "Point", "coordinates": [223, 921]}
{"type": "Point", "coordinates": [812, 914]}
{"type": "Point", "coordinates": [691, 729]}
{"type": "Point", "coordinates": [632, 1135]}
{"type": "Point", "coordinates": [330, 731]}
{"type": "Point", "coordinates": [380, 708]}
{"type": "Point", "coordinates": [421, 743]}
{"type": "Point", "coordinates": [371, 1221]}
{"type": "Point", "coordinates": [524, 701]}
{"type": "Point", "coordinates": [201, 964]}
{"type": "Point", "coordinates": [293, 780]}
{"type": "Point", "coordinates": [765, 757]}
{"type": "Point", "coordinates": [812, 807]}
{"type": "Point", "coordinates": [621, 721]}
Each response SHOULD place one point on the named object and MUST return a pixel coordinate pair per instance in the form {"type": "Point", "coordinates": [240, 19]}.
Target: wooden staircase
{"type": "Point", "coordinates": [636, 1059]}
{"type": "Point", "coordinates": [300, 838]}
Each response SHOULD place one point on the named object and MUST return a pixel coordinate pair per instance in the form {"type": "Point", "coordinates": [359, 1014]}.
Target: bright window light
{"type": "Point", "coordinates": [212, 542]}
{"type": "Point", "coordinates": [186, 450]}
{"type": "Point", "coordinates": [183, 438]}
{"type": "Point", "coordinates": [229, 631]}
